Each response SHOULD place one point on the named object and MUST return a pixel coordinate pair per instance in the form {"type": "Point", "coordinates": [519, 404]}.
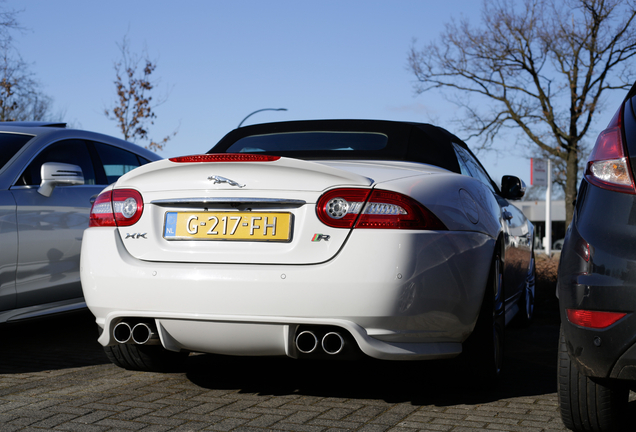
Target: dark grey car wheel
{"type": "Point", "coordinates": [147, 358]}
{"type": "Point", "coordinates": [588, 404]}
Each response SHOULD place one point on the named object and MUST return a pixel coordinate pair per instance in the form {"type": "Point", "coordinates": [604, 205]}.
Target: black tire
{"type": "Point", "coordinates": [147, 358]}
{"type": "Point", "coordinates": [484, 348]}
{"type": "Point", "coordinates": [588, 404]}
{"type": "Point", "coordinates": [526, 302]}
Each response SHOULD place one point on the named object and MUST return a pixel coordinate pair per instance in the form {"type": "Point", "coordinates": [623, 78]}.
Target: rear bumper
{"type": "Point", "coordinates": [597, 272]}
{"type": "Point", "coordinates": [400, 295]}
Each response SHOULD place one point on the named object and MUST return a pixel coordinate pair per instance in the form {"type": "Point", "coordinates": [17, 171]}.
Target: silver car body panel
{"type": "Point", "coordinates": [8, 251]}
{"type": "Point", "coordinates": [50, 231]}
{"type": "Point", "coordinates": [41, 236]}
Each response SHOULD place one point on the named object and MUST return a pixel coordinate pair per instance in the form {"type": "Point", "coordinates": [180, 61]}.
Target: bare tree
{"type": "Point", "coordinates": [541, 65]}
{"type": "Point", "coordinates": [134, 109]}
{"type": "Point", "coordinates": [21, 98]}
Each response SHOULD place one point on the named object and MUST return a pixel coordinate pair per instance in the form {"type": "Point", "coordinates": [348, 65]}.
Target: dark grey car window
{"type": "Point", "coordinates": [310, 141]}
{"type": "Point", "coordinates": [10, 144]}
{"type": "Point", "coordinates": [116, 161]}
{"type": "Point", "coordinates": [69, 151]}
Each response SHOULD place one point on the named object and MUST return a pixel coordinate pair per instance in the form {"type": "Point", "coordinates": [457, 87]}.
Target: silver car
{"type": "Point", "coordinates": [49, 178]}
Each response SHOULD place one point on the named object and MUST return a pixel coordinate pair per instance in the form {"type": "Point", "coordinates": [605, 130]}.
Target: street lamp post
{"type": "Point", "coordinates": [257, 111]}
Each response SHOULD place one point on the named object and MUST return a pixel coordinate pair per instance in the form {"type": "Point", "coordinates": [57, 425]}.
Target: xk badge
{"type": "Point", "coordinates": [136, 235]}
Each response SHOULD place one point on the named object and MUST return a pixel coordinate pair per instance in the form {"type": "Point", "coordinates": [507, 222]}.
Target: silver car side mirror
{"type": "Point", "coordinates": [56, 173]}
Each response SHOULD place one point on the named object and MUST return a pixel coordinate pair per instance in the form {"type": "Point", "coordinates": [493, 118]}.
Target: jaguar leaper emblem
{"type": "Point", "coordinates": [218, 180]}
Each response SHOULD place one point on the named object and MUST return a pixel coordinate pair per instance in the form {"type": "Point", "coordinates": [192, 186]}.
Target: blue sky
{"type": "Point", "coordinates": [218, 61]}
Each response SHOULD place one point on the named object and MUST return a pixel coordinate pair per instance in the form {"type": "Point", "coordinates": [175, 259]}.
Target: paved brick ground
{"type": "Point", "coordinates": [54, 376]}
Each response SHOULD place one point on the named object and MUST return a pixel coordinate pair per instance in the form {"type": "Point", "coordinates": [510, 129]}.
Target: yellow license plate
{"type": "Point", "coordinates": [250, 226]}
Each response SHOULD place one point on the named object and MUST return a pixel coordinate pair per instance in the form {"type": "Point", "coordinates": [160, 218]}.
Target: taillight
{"type": "Point", "coordinates": [391, 210]}
{"type": "Point", "coordinates": [119, 207]}
{"type": "Point", "coordinates": [346, 208]}
{"type": "Point", "coordinates": [582, 249]}
{"type": "Point", "coordinates": [593, 319]}
{"type": "Point", "coordinates": [339, 208]}
{"type": "Point", "coordinates": [225, 157]}
{"type": "Point", "coordinates": [608, 166]}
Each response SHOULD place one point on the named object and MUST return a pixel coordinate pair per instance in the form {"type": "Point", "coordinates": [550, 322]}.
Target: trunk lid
{"type": "Point", "coordinates": [242, 212]}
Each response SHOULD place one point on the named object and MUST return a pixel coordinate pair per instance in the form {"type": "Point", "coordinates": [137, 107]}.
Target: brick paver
{"type": "Point", "coordinates": [54, 376]}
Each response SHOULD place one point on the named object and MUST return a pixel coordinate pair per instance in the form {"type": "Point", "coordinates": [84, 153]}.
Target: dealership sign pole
{"type": "Point", "coordinates": [541, 175]}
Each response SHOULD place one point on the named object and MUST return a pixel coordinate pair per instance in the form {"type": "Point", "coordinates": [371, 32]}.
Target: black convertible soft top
{"type": "Point", "coordinates": [401, 141]}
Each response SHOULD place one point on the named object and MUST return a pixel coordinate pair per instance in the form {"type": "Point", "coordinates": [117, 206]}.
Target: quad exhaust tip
{"type": "Point", "coordinates": [332, 343]}
{"type": "Point", "coordinates": [141, 333]}
{"type": "Point", "coordinates": [306, 342]}
{"type": "Point", "coordinates": [122, 332]}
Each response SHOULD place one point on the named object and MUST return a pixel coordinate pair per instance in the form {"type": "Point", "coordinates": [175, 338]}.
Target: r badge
{"type": "Point", "coordinates": [318, 237]}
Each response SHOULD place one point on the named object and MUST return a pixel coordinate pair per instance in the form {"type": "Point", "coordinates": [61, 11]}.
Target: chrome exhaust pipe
{"type": "Point", "coordinates": [143, 333]}
{"type": "Point", "coordinates": [122, 332]}
{"type": "Point", "coordinates": [333, 343]}
{"type": "Point", "coordinates": [306, 342]}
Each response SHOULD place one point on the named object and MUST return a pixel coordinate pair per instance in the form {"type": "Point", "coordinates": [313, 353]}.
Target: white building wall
{"type": "Point", "coordinates": [535, 210]}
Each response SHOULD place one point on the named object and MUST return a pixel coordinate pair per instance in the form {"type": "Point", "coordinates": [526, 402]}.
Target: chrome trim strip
{"type": "Point", "coordinates": [228, 200]}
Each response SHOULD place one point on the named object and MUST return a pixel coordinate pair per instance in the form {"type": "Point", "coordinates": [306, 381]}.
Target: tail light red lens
{"type": "Point", "coordinates": [593, 319]}
{"type": "Point", "coordinates": [391, 210]}
{"type": "Point", "coordinates": [120, 207]}
{"type": "Point", "coordinates": [608, 167]}
{"type": "Point", "coordinates": [339, 208]}
{"type": "Point", "coordinates": [225, 157]}
{"type": "Point", "coordinates": [374, 209]}
{"type": "Point", "coordinates": [582, 249]}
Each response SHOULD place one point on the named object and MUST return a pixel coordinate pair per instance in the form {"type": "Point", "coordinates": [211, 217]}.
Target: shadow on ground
{"type": "Point", "coordinates": [530, 361]}
{"type": "Point", "coordinates": [58, 342]}
{"type": "Point", "coordinates": [70, 341]}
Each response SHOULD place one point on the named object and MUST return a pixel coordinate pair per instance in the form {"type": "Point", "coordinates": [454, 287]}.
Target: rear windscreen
{"type": "Point", "coordinates": [310, 141]}
{"type": "Point", "coordinates": [10, 144]}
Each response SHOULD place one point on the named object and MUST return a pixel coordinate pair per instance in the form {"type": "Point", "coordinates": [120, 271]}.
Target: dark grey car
{"type": "Point", "coordinates": [597, 285]}
{"type": "Point", "coordinates": [49, 178]}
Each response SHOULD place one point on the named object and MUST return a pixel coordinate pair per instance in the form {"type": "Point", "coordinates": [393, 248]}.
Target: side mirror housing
{"type": "Point", "coordinates": [56, 173]}
{"type": "Point", "coordinates": [512, 187]}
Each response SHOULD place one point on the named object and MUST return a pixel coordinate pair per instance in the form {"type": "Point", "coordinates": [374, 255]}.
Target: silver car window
{"type": "Point", "coordinates": [10, 144]}
{"type": "Point", "coordinates": [68, 151]}
{"type": "Point", "coordinates": [116, 161]}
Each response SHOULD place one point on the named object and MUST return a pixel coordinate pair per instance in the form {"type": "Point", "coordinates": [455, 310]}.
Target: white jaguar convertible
{"type": "Point", "coordinates": [310, 239]}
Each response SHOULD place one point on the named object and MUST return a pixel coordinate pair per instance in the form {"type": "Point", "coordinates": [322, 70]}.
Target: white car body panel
{"type": "Point", "coordinates": [420, 296]}
{"type": "Point", "coordinates": [431, 185]}
{"type": "Point", "coordinates": [284, 174]}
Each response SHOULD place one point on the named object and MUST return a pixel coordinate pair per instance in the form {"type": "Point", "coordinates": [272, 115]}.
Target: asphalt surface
{"type": "Point", "coordinates": [55, 376]}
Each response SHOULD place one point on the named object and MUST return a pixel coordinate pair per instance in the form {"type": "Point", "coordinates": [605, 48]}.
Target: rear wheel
{"type": "Point", "coordinates": [148, 358]}
{"type": "Point", "coordinates": [588, 404]}
{"type": "Point", "coordinates": [483, 350]}
{"type": "Point", "coordinates": [527, 300]}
